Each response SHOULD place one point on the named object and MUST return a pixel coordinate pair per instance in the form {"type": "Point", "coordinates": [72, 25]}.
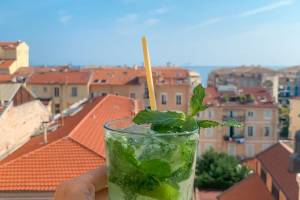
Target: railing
{"type": "Point", "coordinates": [239, 139]}
{"type": "Point", "coordinates": [239, 118]}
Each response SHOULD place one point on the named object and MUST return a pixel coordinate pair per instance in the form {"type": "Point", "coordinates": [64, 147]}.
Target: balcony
{"type": "Point", "coordinates": [239, 139]}
{"type": "Point", "coordinates": [239, 118]}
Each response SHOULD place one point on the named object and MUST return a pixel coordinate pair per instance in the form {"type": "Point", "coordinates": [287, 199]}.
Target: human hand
{"type": "Point", "coordinates": [89, 186]}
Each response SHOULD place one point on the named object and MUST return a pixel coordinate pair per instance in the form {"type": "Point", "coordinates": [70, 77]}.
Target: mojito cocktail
{"type": "Point", "coordinates": [153, 155]}
{"type": "Point", "coordinates": [145, 165]}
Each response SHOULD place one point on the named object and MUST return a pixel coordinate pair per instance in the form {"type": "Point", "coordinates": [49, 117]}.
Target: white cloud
{"type": "Point", "coordinates": [129, 18]}
{"type": "Point", "coordinates": [160, 11]}
{"type": "Point", "coordinates": [152, 21]}
{"type": "Point", "coordinates": [204, 23]}
{"type": "Point", "coordinates": [267, 8]}
{"type": "Point", "coordinates": [65, 19]}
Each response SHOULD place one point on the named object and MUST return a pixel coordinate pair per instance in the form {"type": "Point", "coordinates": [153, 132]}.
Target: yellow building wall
{"type": "Point", "coordinates": [139, 90]}
{"type": "Point", "coordinates": [259, 142]}
{"type": "Point", "coordinates": [20, 54]}
{"type": "Point", "coordinates": [294, 117]}
{"type": "Point", "coordinates": [65, 99]}
{"type": "Point", "coordinates": [269, 182]}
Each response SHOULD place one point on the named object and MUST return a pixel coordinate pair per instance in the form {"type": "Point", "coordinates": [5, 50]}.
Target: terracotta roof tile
{"type": "Point", "coordinates": [275, 161]}
{"type": "Point", "coordinates": [126, 75]}
{"type": "Point", "coordinates": [9, 44]}
{"type": "Point", "coordinates": [5, 78]}
{"type": "Point", "coordinates": [60, 77]}
{"type": "Point", "coordinates": [4, 64]}
{"type": "Point", "coordinates": [90, 131]}
{"type": "Point", "coordinates": [44, 168]}
{"type": "Point", "coordinates": [73, 149]}
{"type": "Point", "coordinates": [250, 188]}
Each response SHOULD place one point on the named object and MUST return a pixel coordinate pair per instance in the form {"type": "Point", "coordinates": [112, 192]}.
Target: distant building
{"type": "Point", "coordinates": [13, 55]}
{"type": "Point", "coordinates": [173, 85]}
{"type": "Point", "coordinates": [67, 148]}
{"type": "Point", "coordinates": [294, 117]}
{"type": "Point", "coordinates": [63, 87]}
{"type": "Point", "coordinates": [241, 77]}
{"type": "Point", "coordinates": [252, 107]}
{"type": "Point", "coordinates": [21, 115]}
{"type": "Point", "coordinates": [271, 181]}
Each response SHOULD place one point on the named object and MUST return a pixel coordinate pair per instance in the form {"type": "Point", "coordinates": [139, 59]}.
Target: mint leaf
{"type": "Point", "coordinates": [156, 168]}
{"type": "Point", "coordinates": [232, 122]}
{"type": "Point", "coordinates": [155, 117]}
{"type": "Point", "coordinates": [190, 124]}
{"type": "Point", "coordinates": [196, 101]}
{"type": "Point", "coordinates": [207, 123]}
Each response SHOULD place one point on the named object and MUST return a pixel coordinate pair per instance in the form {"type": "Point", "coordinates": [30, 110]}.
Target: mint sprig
{"type": "Point", "coordinates": [173, 121]}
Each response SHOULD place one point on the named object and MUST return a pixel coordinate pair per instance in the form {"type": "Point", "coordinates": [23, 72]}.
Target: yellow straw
{"type": "Point", "coordinates": [148, 73]}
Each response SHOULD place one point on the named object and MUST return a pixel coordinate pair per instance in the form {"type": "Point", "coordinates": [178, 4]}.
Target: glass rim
{"type": "Point", "coordinates": [124, 132]}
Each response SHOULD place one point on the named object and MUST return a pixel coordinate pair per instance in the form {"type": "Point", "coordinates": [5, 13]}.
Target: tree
{"type": "Point", "coordinates": [219, 171]}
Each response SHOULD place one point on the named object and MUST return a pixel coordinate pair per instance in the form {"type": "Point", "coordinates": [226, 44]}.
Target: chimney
{"type": "Point", "coordinates": [294, 161]}
{"type": "Point", "coordinates": [45, 126]}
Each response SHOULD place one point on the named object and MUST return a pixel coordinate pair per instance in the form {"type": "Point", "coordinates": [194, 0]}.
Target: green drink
{"type": "Point", "coordinates": [153, 155]}
{"type": "Point", "coordinates": [145, 165]}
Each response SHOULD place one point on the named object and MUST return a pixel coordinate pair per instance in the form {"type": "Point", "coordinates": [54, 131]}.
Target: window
{"type": "Point", "coordinates": [45, 89]}
{"type": "Point", "coordinates": [267, 131]}
{"type": "Point", "coordinates": [249, 150]}
{"type": "Point", "coordinates": [208, 132]}
{"type": "Point", "coordinates": [275, 191]}
{"type": "Point", "coordinates": [103, 94]}
{"type": "Point", "coordinates": [210, 114]}
{"type": "Point", "coordinates": [232, 149]}
{"type": "Point", "coordinates": [132, 95]}
{"type": "Point", "coordinates": [250, 114]}
{"type": "Point", "coordinates": [56, 92]}
{"type": "Point", "coordinates": [250, 131]}
{"type": "Point", "coordinates": [178, 99]}
{"type": "Point", "coordinates": [268, 114]}
{"type": "Point", "coordinates": [208, 146]}
{"type": "Point", "coordinates": [163, 98]}
{"type": "Point", "coordinates": [57, 108]}
{"type": "Point", "coordinates": [74, 92]}
{"type": "Point", "coordinates": [117, 94]}
{"type": "Point", "coordinates": [263, 175]}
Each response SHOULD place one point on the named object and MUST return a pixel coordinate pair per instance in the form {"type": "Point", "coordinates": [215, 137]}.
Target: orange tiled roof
{"type": "Point", "coordinates": [126, 75]}
{"type": "Point", "coordinates": [73, 149]}
{"type": "Point", "coordinates": [275, 160]}
{"type": "Point", "coordinates": [250, 188]}
{"type": "Point", "coordinates": [261, 98]}
{"type": "Point", "coordinates": [59, 77]}
{"type": "Point", "coordinates": [4, 64]}
{"type": "Point", "coordinates": [9, 44]}
{"type": "Point", "coordinates": [5, 78]}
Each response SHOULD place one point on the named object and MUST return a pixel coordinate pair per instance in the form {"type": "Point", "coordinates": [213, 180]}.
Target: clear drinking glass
{"type": "Point", "coordinates": [144, 165]}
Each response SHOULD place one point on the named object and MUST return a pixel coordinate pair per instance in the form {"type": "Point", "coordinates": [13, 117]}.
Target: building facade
{"type": "Point", "coordinates": [294, 117]}
{"type": "Point", "coordinates": [62, 87]}
{"type": "Point", "coordinates": [173, 86]}
{"type": "Point", "coordinates": [13, 55]}
{"type": "Point", "coordinates": [252, 107]}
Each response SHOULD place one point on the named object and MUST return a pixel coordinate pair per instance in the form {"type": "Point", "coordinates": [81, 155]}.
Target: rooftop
{"type": "Point", "coordinates": [60, 77]}
{"type": "Point", "coordinates": [4, 64]}
{"type": "Point", "coordinates": [127, 75]}
{"type": "Point", "coordinates": [72, 149]}
{"type": "Point", "coordinates": [243, 70]}
{"type": "Point", "coordinates": [245, 97]}
{"type": "Point", "coordinates": [250, 188]}
{"type": "Point", "coordinates": [9, 44]}
{"type": "Point", "coordinates": [278, 168]}
{"type": "Point", "coordinates": [5, 78]}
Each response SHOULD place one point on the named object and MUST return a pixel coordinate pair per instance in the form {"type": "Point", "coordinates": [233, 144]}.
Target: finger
{"type": "Point", "coordinates": [97, 177]}
{"type": "Point", "coordinates": [102, 195]}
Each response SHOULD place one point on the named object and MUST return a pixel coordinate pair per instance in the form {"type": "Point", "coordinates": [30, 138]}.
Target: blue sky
{"type": "Point", "coordinates": [190, 32]}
